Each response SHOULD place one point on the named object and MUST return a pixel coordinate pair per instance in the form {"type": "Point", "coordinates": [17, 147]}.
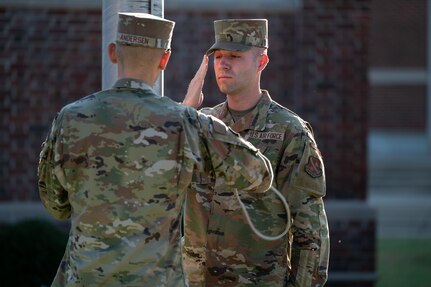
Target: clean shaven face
{"type": "Point", "coordinates": [235, 71]}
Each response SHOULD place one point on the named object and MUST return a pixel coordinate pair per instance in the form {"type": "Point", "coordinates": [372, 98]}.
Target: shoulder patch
{"type": "Point", "coordinates": [314, 167]}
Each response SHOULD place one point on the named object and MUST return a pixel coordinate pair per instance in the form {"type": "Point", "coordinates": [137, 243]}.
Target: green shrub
{"type": "Point", "coordinates": [30, 252]}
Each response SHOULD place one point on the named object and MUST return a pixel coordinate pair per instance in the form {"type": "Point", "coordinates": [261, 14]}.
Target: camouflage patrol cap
{"type": "Point", "coordinates": [142, 29]}
{"type": "Point", "coordinates": [240, 34]}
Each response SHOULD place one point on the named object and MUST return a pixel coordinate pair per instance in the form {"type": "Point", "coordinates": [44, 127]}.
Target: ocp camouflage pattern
{"type": "Point", "coordinates": [225, 251]}
{"type": "Point", "coordinates": [246, 32]}
{"type": "Point", "coordinates": [119, 163]}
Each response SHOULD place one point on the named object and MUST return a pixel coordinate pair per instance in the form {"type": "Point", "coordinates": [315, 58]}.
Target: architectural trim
{"type": "Point", "coordinates": [12, 212]}
{"type": "Point", "coordinates": [349, 209]}
{"type": "Point", "coordinates": [240, 5]}
{"type": "Point", "coordinates": [397, 76]}
{"type": "Point", "coordinates": [217, 5]}
{"type": "Point", "coordinates": [352, 276]}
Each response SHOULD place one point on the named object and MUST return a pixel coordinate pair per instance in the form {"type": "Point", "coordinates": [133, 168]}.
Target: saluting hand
{"type": "Point", "coordinates": [194, 96]}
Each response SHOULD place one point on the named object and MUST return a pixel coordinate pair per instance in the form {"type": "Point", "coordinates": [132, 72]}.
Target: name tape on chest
{"type": "Point", "coordinates": [266, 135]}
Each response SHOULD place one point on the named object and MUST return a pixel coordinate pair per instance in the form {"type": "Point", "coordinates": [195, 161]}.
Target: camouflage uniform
{"type": "Point", "coordinates": [118, 163]}
{"type": "Point", "coordinates": [225, 251]}
{"type": "Point", "coordinates": [234, 255]}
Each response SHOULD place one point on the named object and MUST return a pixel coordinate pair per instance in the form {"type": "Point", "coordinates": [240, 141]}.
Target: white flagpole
{"type": "Point", "coordinates": [110, 10]}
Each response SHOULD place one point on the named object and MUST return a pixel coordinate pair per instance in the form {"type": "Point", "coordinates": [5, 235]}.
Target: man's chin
{"type": "Point", "coordinates": [223, 89]}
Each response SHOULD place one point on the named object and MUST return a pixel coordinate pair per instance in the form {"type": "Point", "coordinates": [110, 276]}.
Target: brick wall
{"type": "Point", "coordinates": [48, 57]}
{"type": "Point", "coordinates": [318, 68]}
{"type": "Point", "coordinates": [392, 20]}
{"type": "Point", "coordinates": [333, 88]}
{"type": "Point", "coordinates": [352, 229]}
{"type": "Point", "coordinates": [399, 105]}
{"type": "Point", "coordinates": [324, 81]}
{"type": "Point", "coordinates": [194, 34]}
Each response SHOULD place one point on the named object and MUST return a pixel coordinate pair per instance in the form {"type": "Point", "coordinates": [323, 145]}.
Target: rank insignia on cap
{"type": "Point", "coordinates": [314, 167]}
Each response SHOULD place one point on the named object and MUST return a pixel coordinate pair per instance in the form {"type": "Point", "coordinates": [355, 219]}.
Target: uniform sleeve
{"type": "Point", "coordinates": [241, 164]}
{"type": "Point", "coordinates": [196, 218]}
{"type": "Point", "coordinates": [302, 178]}
{"type": "Point", "coordinates": [51, 191]}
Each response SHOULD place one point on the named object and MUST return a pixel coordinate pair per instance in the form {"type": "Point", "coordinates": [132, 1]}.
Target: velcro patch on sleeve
{"type": "Point", "coordinates": [219, 126]}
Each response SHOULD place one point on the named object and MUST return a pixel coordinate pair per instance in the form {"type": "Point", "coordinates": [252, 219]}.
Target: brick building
{"type": "Point", "coordinates": [319, 61]}
{"type": "Point", "coordinates": [399, 138]}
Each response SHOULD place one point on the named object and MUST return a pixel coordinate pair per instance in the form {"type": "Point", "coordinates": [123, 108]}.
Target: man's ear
{"type": "Point", "coordinates": [165, 59]}
{"type": "Point", "coordinates": [112, 54]}
{"type": "Point", "coordinates": [264, 60]}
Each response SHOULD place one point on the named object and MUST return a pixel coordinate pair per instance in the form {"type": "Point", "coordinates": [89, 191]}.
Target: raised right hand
{"type": "Point", "coordinates": [194, 96]}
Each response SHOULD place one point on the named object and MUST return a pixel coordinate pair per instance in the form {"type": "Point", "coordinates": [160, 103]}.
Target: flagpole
{"type": "Point", "coordinates": [110, 11]}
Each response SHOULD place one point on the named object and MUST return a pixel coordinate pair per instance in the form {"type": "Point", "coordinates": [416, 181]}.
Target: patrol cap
{"type": "Point", "coordinates": [240, 34]}
{"type": "Point", "coordinates": [142, 29]}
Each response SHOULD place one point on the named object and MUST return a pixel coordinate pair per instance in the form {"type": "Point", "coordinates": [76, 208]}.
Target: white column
{"type": "Point", "coordinates": [110, 10]}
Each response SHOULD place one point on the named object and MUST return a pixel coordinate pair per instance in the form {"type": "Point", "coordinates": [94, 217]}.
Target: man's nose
{"type": "Point", "coordinates": [224, 64]}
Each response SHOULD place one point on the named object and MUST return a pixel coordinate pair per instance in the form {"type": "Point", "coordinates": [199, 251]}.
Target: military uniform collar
{"type": "Point", "coordinates": [255, 119]}
{"type": "Point", "coordinates": [133, 84]}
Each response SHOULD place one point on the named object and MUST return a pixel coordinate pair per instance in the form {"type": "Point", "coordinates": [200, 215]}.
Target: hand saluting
{"type": "Point", "coordinates": [194, 96]}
